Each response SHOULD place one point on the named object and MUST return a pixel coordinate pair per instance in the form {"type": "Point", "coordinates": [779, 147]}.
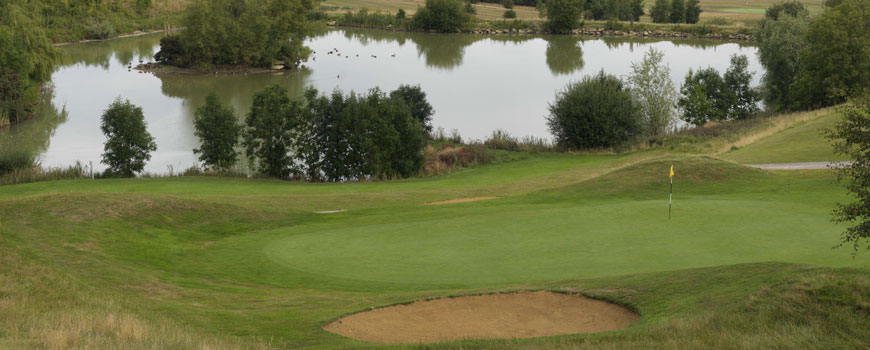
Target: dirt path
{"type": "Point", "coordinates": [799, 166]}
{"type": "Point", "coordinates": [461, 200]}
{"type": "Point", "coordinates": [515, 315]}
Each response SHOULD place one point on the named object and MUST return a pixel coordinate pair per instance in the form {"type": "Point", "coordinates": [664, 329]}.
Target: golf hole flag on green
{"type": "Point", "coordinates": [671, 194]}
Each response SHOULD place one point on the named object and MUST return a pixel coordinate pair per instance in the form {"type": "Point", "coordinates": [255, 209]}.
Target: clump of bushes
{"type": "Point", "coordinates": [446, 157]}
{"type": "Point", "coordinates": [707, 96]}
{"type": "Point", "coordinates": [597, 112]}
{"type": "Point", "coordinates": [446, 16]}
{"type": "Point", "coordinates": [509, 14]}
{"type": "Point", "coordinates": [99, 29]}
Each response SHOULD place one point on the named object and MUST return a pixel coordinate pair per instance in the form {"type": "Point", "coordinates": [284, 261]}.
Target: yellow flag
{"type": "Point", "coordinates": [672, 171]}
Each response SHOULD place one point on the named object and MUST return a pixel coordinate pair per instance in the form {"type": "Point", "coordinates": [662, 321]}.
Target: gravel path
{"type": "Point", "coordinates": [799, 166]}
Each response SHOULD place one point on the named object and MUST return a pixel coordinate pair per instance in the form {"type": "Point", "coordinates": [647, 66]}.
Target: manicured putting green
{"type": "Point", "coordinates": [516, 244]}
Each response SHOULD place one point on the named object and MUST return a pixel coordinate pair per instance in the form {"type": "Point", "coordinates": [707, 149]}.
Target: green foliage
{"type": "Point", "coordinates": [790, 8]}
{"type": "Point", "coordinates": [780, 42]}
{"type": "Point", "coordinates": [849, 137]}
{"type": "Point", "coordinates": [400, 15]}
{"type": "Point", "coordinates": [99, 29]}
{"type": "Point", "coordinates": [637, 9]}
{"type": "Point", "coordinates": [446, 16]}
{"type": "Point", "coordinates": [564, 54]}
{"type": "Point", "coordinates": [678, 11]}
{"type": "Point", "coordinates": [623, 10]}
{"type": "Point", "coordinates": [597, 112]}
{"type": "Point", "coordinates": [693, 11]}
{"type": "Point", "coordinates": [470, 9]}
{"type": "Point", "coordinates": [508, 4]}
{"type": "Point", "coordinates": [415, 98]}
{"type": "Point", "coordinates": [707, 96]}
{"type": "Point", "coordinates": [171, 51]}
{"type": "Point", "coordinates": [835, 62]}
{"type": "Point", "coordinates": [356, 137]}
{"type": "Point", "coordinates": [128, 144]}
{"type": "Point", "coordinates": [247, 33]}
{"type": "Point", "coordinates": [654, 92]}
{"type": "Point", "coordinates": [661, 11]}
{"type": "Point", "coordinates": [218, 132]}
{"type": "Point", "coordinates": [270, 130]}
{"type": "Point", "coordinates": [563, 16]}
{"type": "Point", "coordinates": [27, 60]}
{"type": "Point", "coordinates": [509, 14]}
{"type": "Point", "coordinates": [365, 19]}
{"type": "Point", "coordinates": [15, 159]}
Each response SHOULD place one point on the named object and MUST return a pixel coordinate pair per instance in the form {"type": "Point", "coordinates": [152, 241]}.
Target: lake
{"type": "Point", "coordinates": [476, 84]}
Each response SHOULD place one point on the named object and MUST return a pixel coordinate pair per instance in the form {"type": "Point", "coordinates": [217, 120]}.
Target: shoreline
{"type": "Point", "coordinates": [122, 36]}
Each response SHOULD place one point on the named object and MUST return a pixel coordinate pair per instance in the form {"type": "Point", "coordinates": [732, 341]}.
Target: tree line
{"type": "Point", "coordinates": [316, 137]}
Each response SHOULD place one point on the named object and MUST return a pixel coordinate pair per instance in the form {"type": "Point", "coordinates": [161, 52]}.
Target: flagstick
{"type": "Point", "coordinates": [670, 198]}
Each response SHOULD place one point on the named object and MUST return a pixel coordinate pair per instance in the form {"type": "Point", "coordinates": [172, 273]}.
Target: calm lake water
{"type": "Point", "coordinates": [475, 83]}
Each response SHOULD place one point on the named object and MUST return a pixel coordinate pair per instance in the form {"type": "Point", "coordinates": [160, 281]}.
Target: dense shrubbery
{"type": "Point", "coordinates": [676, 11]}
{"type": "Point", "coordinates": [248, 33]}
{"type": "Point", "coordinates": [597, 112]}
{"type": "Point", "coordinates": [623, 10]}
{"type": "Point", "coordinates": [27, 59]}
{"type": "Point", "coordinates": [446, 16]}
{"type": "Point", "coordinates": [365, 19]}
{"type": "Point", "coordinates": [563, 16]}
{"type": "Point", "coordinates": [707, 96]}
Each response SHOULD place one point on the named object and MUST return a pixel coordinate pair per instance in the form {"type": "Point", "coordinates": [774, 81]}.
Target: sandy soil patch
{"type": "Point", "coordinates": [514, 315]}
{"type": "Point", "coordinates": [461, 200]}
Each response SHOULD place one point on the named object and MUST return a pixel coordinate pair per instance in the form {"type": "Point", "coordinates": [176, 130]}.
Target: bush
{"type": "Point", "coordinates": [171, 51]}
{"type": "Point", "coordinates": [597, 112]}
{"type": "Point", "coordinates": [12, 159]}
{"type": "Point", "coordinates": [400, 15]}
{"type": "Point", "coordinates": [563, 16]}
{"type": "Point", "coordinates": [446, 16]}
{"type": "Point", "coordinates": [218, 132]}
{"type": "Point", "coordinates": [128, 144]}
{"type": "Point", "coordinates": [99, 29]}
{"type": "Point", "coordinates": [509, 14]}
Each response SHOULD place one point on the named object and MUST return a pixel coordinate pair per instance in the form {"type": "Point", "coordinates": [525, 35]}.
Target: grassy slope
{"type": "Point", "coordinates": [803, 142]}
{"type": "Point", "coordinates": [230, 263]}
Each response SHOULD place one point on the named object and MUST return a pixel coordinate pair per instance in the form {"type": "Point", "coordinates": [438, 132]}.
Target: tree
{"type": "Point", "coordinates": [400, 14]}
{"type": "Point", "coordinates": [247, 33]}
{"type": "Point", "coordinates": [270, 131]}
{"type": "Point", "coordinates": [693, 11]}
{"type": "Point", "coordinates": [661, 11]}
{"type": "Point", "coordinates": [415, 98]}
{"type": "Point", "coordinates": [599, 111]}
{"type": "Point", "coordinates": [780, 42]}
{"type": "Point", "coordinates": [562, 15]}
{"type": "Point", "coordinates": [508, 4]}
{"type": "Point", "coordinates": [128, 144]}
{"type": "Point", "coordinates": [171, 51]}
{"type": "Point", "coordinates": [678, 11]}
{"type": "Point", "coordinates": [849, 137]}
{"type": "Point", "coordinates": [636, 9]}
{"type": "Point", "coordinates": [508, 14]}
{"type": "Point", "coordinates": [743, 98]}
{"type": "Point", "coordinates": [218, 132]}
{"type": "Point", "coordinates": [446, 16]}
{"type": "Point", "coordinates": [790, 8]}
{"type": "Point", "coordinates": [835, 62]}
{"type": "Point", "coordinates": [650, 81]}
{"type": "Point", "coordinates": [702, 97]}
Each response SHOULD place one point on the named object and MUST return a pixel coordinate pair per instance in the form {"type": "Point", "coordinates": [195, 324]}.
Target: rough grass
{"type": "Point", "coordinates": [803, 141]}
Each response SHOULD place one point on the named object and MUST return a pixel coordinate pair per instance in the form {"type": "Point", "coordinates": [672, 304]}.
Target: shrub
{"type": "Point", "coordinates": [446, 16]}
{"type": "Point", "coordinates": [99, 29]}
{"type": "Point", "coordinates": [597, 112]}
{"type": "Point", "coordinates": [218, 132]}
{"type": "Point", "coordinates": [400, 15]}
{"type": "Point", "coordinates": [509, 14]}
{"type": "Point", "coordinates": [14, 159]}
{"type": "Point", "coordinates": [128, 144]}
{"type": "Point", "coordinates": [562, 15]}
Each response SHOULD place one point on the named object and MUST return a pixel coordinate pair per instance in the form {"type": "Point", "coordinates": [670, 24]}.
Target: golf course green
{"type": "Point", "coordinates": [747, 259]}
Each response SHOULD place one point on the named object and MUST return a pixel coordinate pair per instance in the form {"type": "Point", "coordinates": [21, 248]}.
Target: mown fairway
{"type": "Point", "coordinates": [237, 263]}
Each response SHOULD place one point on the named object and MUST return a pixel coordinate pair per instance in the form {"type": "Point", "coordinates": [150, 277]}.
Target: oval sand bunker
{"type": "Point", "coordinates": [514, 315]}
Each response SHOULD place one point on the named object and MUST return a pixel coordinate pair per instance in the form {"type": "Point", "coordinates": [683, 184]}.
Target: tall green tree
{"type": "Point", "coordinates": [703, 97]}
{"type": "Point", "coordinates": [563, 16]}
{"type": "Point", "coordinates": [743, 99]}
{"type": "Point", "coordinates": [654, 91]}
{"type": "Point", "coordinates": [780, 39]}
{"type": "Point", "coordinates": [415, 98]}
{"type": "Point", "coordinates": [849, 137]}
{"type": "Point", "coordinates": [835, 62]}
{"type": "Point", "coordinates": [598, 111]}
{"type": "Point", "coordinates": [128, 144]}
{"type": "Point", "coordinates": [446, 16]}
{"type": "Point", "coordinates": [218, 133]}
{"type": "Point", "coordinates": [693, 11]}
{"type": "Point", "coordinates": [678, 11]}
{"type": "Point", "coordinates": [637, 9]}
{"type": "Point", "coordinates": [661, 11]}
{"type": "Point", "coordinates": [271, 129]}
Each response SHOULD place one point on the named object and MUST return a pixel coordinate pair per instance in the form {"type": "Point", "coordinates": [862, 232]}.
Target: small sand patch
{"type": "Point", "coordinates": [461, 200]}
{"type": "Point", "coordinates": [514, 315]}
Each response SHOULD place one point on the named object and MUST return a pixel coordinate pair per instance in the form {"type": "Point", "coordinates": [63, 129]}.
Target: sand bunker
{"type": "Point", "coordinates": [461, 200]}
{"type": "Point", "coordinates": [515, 315]}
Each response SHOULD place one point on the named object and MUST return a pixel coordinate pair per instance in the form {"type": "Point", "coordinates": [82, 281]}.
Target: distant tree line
{"type": "Point", "coordinates": [814, 62]}
{"type": "Point", "coordinates": [676, 11]}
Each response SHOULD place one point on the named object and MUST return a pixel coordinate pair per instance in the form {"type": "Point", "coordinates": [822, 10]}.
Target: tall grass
{"type": "Point", "coordinates": [446, 157]}
{"type": "Point", "coordinates": [38, 174]}
{"type": "Point", "coordinates": [503, 140]}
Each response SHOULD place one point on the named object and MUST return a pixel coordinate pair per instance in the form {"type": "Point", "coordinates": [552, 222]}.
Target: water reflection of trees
{"type": "Point", "coordinates": [564, 54]}
{"type": "Point", "coordinates": [34, 135]}
{"type": "Point", "coordinates": [100, 53]}
{"type": "Point", "coordinates": [617, 42]}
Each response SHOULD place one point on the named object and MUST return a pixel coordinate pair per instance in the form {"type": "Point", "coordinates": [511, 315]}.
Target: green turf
{"type": "Point", "coordinates": [804, 142]}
